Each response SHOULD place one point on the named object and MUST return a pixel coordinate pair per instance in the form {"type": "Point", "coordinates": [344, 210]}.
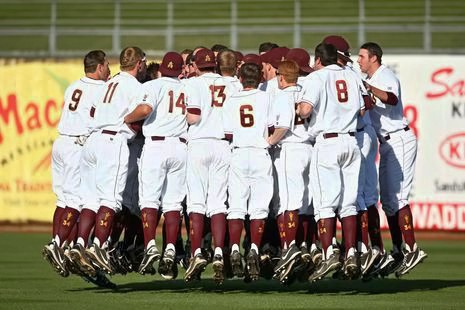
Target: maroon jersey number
{"type": "Point", "coordinates": [75, 98]}
{"type": "Point", "coordinates": [110, 91]}
{"type": "Point", "coordinates": [218, 95]}
{"type": "Point", "coordinates": [246, 112]}
{"type": "Point", "coordinates": [179, 102]}
{"type": "Point", "coordinates": [341, 89]}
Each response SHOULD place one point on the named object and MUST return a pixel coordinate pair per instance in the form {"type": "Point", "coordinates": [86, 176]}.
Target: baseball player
{"type": "Point", "coordinates": [207, 171]}
{"type": "Point", "coordinates": [398, 150]}
{"type": "Point", "coordinates": [110, 148]}
{"type": "Point", "coordinates": [336, 159]}
{"type": "Point", "coordinates": [368, 177]}
{"type": "Point", "coordinates": [247, 117]}
{"type": "Point", "coordinates": [66, 152]}
{"type": "Point", "coordinates": [227, 64]}
{"type": "Point", "coordinates": [163, 161]}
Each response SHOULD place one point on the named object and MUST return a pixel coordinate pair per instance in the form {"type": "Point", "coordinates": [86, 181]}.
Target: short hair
{"type": "Point", "coordinates": [327, 53]}
{"type": "Point", "coordinates": [227, 62]}
{"type": "Point", "coordinates": [152, 70]}
{"type": "Point", "coordinates": [373, 50]}
{"type": "Point", "coordinates": [92, 60]}
{"type": "Point", "coordinates": [219, 48]}
{"type": "Point", "coordinates": [251, 75]}
{"type": "Point", "coordinates": [266, 46]}
{"type": "Point", "coordinates": [289, 69]}
{"type": "Point", "coordinates": [189, 58]}
{"type": "Point", "coordinates": [186, 51]}
{"type": "Point", "coordinates": [129, 57]}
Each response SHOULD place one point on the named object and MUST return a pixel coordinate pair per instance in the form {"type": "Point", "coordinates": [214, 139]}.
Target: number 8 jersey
{"type": "Point", "coordinates": [79, 98]}
{"type": "Point", "coordinates": [247, 115]}
{"type": "Point", "coordinates": [336, 94]}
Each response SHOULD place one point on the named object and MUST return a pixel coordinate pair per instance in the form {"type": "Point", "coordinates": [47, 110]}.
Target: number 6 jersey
{"type": "Point", "coordinates": [247, 116]}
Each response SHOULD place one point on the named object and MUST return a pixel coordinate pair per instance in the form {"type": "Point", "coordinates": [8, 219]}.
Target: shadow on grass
{"type": "Point", "coordinates": [327, 286]}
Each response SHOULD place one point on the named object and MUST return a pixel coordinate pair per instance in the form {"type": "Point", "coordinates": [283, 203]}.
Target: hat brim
{"type": "Point", "coordinates": [306, 69]}
{"type": "Point", "coordinates": [343, 56]}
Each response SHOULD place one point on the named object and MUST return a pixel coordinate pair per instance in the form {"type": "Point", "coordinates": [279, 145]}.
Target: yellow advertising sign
{"type": "Point", "coordinates": [31, 98]}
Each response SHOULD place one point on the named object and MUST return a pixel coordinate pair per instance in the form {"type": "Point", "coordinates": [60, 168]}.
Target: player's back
{"type": "Point", "coordinates": [247, 116]}
{"type": "Point", "coordinates": [168, 117]}
{"type": "Point", "coordinates": [79, 98]}
{"type": "Point", "coordinates": [335, 91]}
{"type": "Point", "coordinates": [208, 92]}
{"type": "Point", "coordinates": [114, 101]}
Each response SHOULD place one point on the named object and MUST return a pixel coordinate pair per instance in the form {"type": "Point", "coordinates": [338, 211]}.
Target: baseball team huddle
{"type": "Point", "coordinates": [256, 155]}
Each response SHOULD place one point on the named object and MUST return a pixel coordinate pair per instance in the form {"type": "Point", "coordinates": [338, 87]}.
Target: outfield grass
{"type": "Point", "coordinates": [28, 282]}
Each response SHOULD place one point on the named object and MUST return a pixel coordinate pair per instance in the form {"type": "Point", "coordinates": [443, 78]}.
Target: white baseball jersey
{"type": "Point", "coordinates": [271, 87]}
{"type": "Point", "coordinates": [336, 158]}
{"type": "Point", "coordinates": [208, 93]}
{"type": "Point", "coordinates": [337, 100]}
{"type": "Point", "coordinates": [119, 94]}
{"type": "Point", "coordinates": [247, 116]}
{"type": "Point", "coordinates": [207, 171]}
{"type": "Point", "coordinates": [163, 161]}
{"type": "Point", "coordinates": [395, 181]}
{"type": "Point", "coordinates": [234, 82]}
{"type": "Point", "coordinates": [66, 152]}
{"type": "Point", "coordinates": [167, 98]}
{"type": "Point", "coordinates": [79, 98]}
{"type": "Point", "coordinates": [284, 105]}
{"type": "Point", "coordinates": [387, 118]}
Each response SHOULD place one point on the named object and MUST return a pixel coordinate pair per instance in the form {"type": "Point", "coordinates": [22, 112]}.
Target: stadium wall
{"type": "Point", "coordinates": [433, 92]}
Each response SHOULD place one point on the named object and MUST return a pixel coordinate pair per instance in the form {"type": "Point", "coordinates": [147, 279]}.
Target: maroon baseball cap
{"type": "Point", "coordinates": [342, 46]}
{"type": "Point", "coordinates": [239, 56]}
{"type": "Point", "coordinates": [275, 56]}
{"type": "Point", "coordinates": [252, 58]}
{"type": "Point", "coordinates": [205, 58]}
{"type": "Point", "coordinates": [301, 57]}
{"type": "Point", "coordinates": [171, 65]}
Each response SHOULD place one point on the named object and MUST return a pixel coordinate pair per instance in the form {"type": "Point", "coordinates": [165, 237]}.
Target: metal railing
{"type": "Point", "coordinates": [52, 28]}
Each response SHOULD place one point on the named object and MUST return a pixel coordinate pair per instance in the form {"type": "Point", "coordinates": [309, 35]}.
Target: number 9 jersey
{"type": "Point", "coordinates": [79, 98]}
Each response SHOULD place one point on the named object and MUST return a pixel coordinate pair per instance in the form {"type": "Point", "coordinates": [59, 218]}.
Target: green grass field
{"type": "Point", "coordinates": [28, 282]}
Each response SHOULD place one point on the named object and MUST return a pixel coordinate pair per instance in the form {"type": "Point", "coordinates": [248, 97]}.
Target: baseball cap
{"type": "Point", "coordinates": [301, 57]}
{"type": "Point", "coordinates": [239, 56]}
{"type": "Point", "coordinates": [342, 46]}
{"type": "Point", "coordinates": [171, 65]}
{"type": "Point", "coordinates": [205, 58]}
{"type": "Point", "coordinates": [252, 58]}
{"type": "Point", "coordinates": [275, 56]}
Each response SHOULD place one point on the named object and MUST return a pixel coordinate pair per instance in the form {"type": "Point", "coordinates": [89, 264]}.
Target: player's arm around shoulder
{"type": "Point", "coordinates": [145, 103]}
{"type": "Point", "coordinates": [192, 101]}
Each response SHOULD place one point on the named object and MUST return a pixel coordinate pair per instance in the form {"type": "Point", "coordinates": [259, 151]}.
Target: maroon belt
{"type": "Point", "coordinates": [160, 138]}
{"type": "Point", "coordinates": [387, 137]}
{"type": "Point", "coordinates": [109, 132]}
{"type": "Point", "coordinates": [335, 134]}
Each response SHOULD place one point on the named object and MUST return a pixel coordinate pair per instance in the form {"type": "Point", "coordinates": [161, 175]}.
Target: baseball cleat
{"type": "Point", "coordinates": [78, 255]}
{"type": "Point", "coordinates": [196, 266]}
{"type": "Point", "coordinates": [392, 264]}
{"type": "Point", "coordinates": [252, 266]}
{"type": "Point", "coordinates": [165, 268]}
{"type": "Point", "coordinates": [99, 257]}
{"type": "Point", "coordinates": [218, 269]}
{"type": "Point", "coordinates": [351, 267]}
{"type": "Point", "coordinates": [236, 264]}
{"type": "Point", "coordinates": [151, 255]}
{"type": "Point", "coordinates": [326, 266]}
{"type": "Point", "coordinates": [288, 256]}
{"type": "Point", "coordinates": [368, 259]}
{"type": "Point", "coordinates": [55, 256]}
{"type": "Point", "coordinates": [411, 259]}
